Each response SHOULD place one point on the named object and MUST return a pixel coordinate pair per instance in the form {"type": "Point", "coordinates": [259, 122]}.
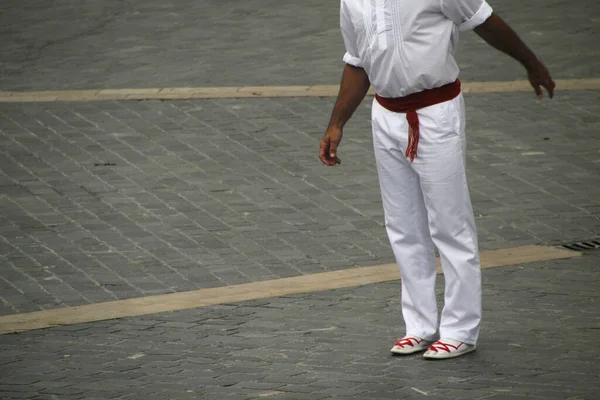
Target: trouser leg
{"type": "Point", "coordinates": [441, 168]}
{"type": "Point", "coordinates": [406, 223]}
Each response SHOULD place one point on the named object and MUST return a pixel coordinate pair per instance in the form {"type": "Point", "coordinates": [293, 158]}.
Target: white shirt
{"type": "Point", "coordinates": [407, 46]}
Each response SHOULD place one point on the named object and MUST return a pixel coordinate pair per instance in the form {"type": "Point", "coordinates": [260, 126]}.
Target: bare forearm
{"type": "Point", "coordinates": [501, 36]}
{"type": "Point", "coordinates": [353, 89]}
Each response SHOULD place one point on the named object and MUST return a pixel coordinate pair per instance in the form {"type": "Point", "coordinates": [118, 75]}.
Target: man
{"type": "Point", "coordinates": [405, 49]}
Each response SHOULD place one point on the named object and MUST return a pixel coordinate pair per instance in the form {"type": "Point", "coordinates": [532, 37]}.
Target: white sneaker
{"type": "Point", "coordinates": [447, 348]}
{"type": "Point", "coordinates": [410, 345]}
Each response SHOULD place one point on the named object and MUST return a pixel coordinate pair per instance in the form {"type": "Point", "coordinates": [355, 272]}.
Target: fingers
{"type": "Point", "coordinates": [550, 85]}
{"type": "Point", "coordinates": [540, 78]}
{"type": "Point", "coordinates": [538, 91]}
{"type": "Point", "coordinates": [547, 84]}
{"type": "Point", "coordinates": [324, 151]}
{"type": "Point", "coordinates": [329, 145]}
{"type": "Point", "coordinates": [328, 152]}
{"type": "Point", "coordinates": [333, 152]}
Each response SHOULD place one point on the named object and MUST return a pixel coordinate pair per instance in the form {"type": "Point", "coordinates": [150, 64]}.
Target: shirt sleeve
{"type": "Point", "coordinates": [351, 57]}
{"type": "Point", "coordinates": [466, 14]}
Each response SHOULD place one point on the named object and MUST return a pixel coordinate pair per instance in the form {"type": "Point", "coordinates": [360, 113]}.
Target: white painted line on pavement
{"type": "Point", "coordinates": [252, 291]}
{"type": "Point", "coordinates": [187, 93]}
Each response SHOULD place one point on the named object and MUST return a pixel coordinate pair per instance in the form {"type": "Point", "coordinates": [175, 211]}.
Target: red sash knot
{"type": "Point", "coordinates": [411, 103]}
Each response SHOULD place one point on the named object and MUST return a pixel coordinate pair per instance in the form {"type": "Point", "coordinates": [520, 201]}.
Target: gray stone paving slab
{"type": "Point", "coordinates": [203, 195]}
{"type": "Point", "coordinates": [88, 44]}
{"type": "Point", "coordinates": [538, 341]}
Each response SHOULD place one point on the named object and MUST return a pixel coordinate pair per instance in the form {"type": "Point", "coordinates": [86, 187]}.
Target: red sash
{"type": "Point", "coordinates": [411, 103]}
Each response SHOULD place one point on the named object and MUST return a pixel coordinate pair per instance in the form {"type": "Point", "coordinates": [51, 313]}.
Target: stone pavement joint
{"type": "Point", "coordinates": [186, 93]}
{"type": "Point", "coordinates": [253, 291]}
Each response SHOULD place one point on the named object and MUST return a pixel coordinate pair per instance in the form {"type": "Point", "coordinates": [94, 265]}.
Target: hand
{"type": "Point", "coordinates": [329, 144]}
{"type": "Point", "coordinates": [539, 76]}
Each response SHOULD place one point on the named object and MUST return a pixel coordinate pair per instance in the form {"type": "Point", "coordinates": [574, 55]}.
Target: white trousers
{"type": "Point", "coordinates": [427, 203]}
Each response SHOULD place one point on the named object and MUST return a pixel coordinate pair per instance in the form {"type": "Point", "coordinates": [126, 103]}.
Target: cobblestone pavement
{"type": "Point", "coordinates": [89, 44]}
{"type": "Point", "coordinates": [538, 341]}
{"type": "Point", "coordinates": [112, 200]}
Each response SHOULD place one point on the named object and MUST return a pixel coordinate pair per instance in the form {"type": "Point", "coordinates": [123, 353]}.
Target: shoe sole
{"type": "Point", "coordinates": [446, 356]}
{"type": "Point", "coordinates": [407, 352]}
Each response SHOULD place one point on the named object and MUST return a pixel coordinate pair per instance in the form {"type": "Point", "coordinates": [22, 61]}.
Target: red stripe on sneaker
{"type": "Point", "coordinates": [407, 342]}
{"type": "Point", "coordinates": [443, 346]}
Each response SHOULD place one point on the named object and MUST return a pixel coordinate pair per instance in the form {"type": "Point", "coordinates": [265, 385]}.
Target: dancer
{"type": "Point", "coordinates": [405, 50]}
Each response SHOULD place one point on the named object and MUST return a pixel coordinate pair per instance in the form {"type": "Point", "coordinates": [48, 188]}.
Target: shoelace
{"type": "Point", "coordinates": [443, 346]}
{"type": "Point", "coordinates": [407, 342]}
